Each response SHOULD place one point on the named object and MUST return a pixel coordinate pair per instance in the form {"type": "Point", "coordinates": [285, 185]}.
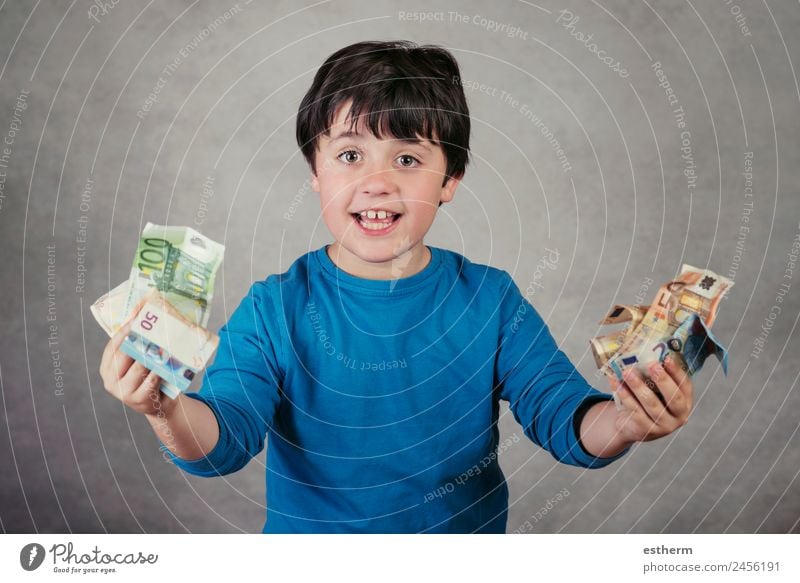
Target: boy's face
{"type": "Point", "coordinates": [359, 172]}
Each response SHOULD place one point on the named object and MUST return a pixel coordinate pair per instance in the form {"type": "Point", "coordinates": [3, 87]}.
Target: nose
{"type": "Point", "coordinates": [378, 179]}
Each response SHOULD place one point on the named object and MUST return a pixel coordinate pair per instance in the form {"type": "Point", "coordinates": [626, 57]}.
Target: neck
{"type": "Point", "coordinates": [406, 264]}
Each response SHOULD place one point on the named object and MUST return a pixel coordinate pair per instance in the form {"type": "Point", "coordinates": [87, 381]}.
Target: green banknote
{"type": "Point", "coordinates": [180, 263]}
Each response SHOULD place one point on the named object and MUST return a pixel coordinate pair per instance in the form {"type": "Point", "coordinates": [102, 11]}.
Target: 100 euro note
{"type": "Point", "coordinates": [678, 322]}
{"type": "Point", "coordinates": [166, 342]}
{"type": "Point", "coordinates": [179, 262]}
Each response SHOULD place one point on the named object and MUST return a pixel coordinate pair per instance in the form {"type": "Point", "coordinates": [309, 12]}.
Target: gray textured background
{"type": "Point", "coordinates": [621, 214]}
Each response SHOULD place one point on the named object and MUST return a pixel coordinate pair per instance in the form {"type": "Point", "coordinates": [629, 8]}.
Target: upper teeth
{"type": "Point", "coordinates": [376, 214]}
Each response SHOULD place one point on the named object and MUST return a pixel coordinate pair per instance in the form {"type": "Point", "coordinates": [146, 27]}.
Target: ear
{"type": "Point", "coordinates": [449, 189]}
{"type": "Point", "coordinates": [314, 182]}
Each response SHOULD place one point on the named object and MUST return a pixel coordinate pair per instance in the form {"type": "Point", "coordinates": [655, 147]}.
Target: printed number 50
{"type": "Point", "coordinates": [149, 320]}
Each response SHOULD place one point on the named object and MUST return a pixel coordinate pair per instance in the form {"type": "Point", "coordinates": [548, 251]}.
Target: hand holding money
{"type": "Point", "coordinates": [172, 275]}
{"type": "Point", "coordinates": [638, 414]}
{"type": "Point", "coordinates": [130, 381]}
{"type": "Point", "coordinates": [652, 406]}
{"type": "Point", "coordinates": [677, 323]}
{"type": "Point", "coordinates": [166, 342]}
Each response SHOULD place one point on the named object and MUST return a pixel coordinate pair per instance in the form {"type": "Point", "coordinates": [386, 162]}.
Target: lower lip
{"type": "Point", "coordinates": [378, 232]}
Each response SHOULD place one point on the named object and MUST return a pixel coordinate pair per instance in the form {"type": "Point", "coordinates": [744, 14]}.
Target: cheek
{"type": "Point", "coordinates": [423, 208]}
{"type": "Point", "coordinates": [335, 216]}
{"type": "Point", "coordinates": [425, 181]}
{"type": "Point", "coordinates": [427, 188]}
{"type": "Point", "coordinates": [332, 196]}
{"type": "Point", "coordinates": [418, 219]}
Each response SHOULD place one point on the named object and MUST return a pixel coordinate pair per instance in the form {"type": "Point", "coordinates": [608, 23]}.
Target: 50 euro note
{"type": "Point", "coordinates": [678, 322]}
{"type": "Point", "coordinates": [109, 311]}
{"type": "Point", "coordinates": [163, 340]}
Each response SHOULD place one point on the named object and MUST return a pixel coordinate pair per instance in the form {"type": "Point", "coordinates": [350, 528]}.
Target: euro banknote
{"type": "Point", "coordinates": [166, 342]}
{"type": "Point", "coordinates": [179, 262]}
{"type": "Point", "coordinates": [677, 322]}
{"type": "Point", "coordinates": [109, 309]}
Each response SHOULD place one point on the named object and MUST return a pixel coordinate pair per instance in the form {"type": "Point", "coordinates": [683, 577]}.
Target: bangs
{"type": "Point", "coordinates": [397, 112]}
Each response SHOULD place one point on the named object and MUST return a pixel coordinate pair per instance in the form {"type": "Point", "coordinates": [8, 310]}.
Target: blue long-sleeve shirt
{"type": "Point", "coordinates": [381, 397]}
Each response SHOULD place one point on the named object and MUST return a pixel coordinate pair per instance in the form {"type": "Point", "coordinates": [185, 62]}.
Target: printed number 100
{"type": "Point", "coordinates": [152, 257]}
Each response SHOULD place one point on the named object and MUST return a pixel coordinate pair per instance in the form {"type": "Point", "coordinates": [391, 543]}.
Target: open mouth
{"type": "Point", "coordinates": [376, 226]}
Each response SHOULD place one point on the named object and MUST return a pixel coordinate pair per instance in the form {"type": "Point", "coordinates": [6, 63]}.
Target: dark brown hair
{"type": "Point", "coordinates": [401, 89]}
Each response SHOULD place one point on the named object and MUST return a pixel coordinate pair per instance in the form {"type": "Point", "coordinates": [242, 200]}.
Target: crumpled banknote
{"type": "Point", "coordinates": [678, 322]}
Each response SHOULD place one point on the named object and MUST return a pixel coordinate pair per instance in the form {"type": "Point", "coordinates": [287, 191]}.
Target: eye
{"type": "Point", "coordinates": [349, 156]}
{"type": "Point", "coordinates": [408, 161]}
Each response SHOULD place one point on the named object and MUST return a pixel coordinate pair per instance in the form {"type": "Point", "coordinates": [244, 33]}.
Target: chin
{"type": "Point", "coordinates": [372, 251]}
{"type": "Point", "coordinates": [375, 252]}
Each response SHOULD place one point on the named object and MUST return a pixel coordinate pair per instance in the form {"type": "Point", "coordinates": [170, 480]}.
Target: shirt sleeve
{"type": "Point", "coordinates": [242, 386]}
{"type": "Point", "coordinates": [543, 388]}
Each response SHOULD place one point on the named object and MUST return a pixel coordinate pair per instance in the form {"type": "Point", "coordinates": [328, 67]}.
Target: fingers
{"type": "Point", "coordinates": [117, 339]}
{"type": "Point", "coordinates": [119, 382]}
{"type": "Point", "coordinates": [646, 398]}
{"type": "Point", "coordinates": [151, 382]}
{"type": "Point", "coordinates": [145, 394]}
{"type": "Point", "coordinates": [112, 346]}
{"type": "Point", "coordinates": [125, 378]}
{"type": "Point", "coordinates": [135, 375]}
{"type": "Point", "coordinates": [629, 402]}
{"type": "Point", "coordinates": [115, 363]}
{"type": "Point", "coordinates": [143, 381]}
{"type": "Point", "coordinates": [677, 368]}
{"type": "Point", "coordinates": [135, 386]}
{"type": "Point", "coordinates": [674, 398]}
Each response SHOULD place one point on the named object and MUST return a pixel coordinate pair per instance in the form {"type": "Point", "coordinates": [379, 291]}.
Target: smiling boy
{"type": "Point", "coordinates": [376, 364]}
{"type": "Point", "coordinates": [379, 218]}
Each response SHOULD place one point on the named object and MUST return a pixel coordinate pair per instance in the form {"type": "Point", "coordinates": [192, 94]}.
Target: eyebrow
{"type": "Point", "coordinates": [355, 134]}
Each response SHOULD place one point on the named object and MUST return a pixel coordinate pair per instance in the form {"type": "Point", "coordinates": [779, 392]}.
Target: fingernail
{"type": "Point", "coordinates": [668, 360]}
